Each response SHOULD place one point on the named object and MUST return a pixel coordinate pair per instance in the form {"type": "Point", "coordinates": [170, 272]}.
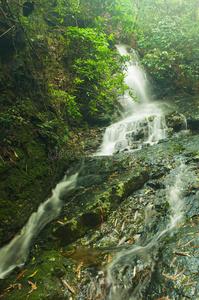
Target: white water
{"type": "Point", "coordinates": [15, 253]}
{"type": "Point", "coordinates": [145, 123]}
{"type": "Point", "coordinates": [119, 290]}
{"type": "Point", "coordinates": [136, 78]}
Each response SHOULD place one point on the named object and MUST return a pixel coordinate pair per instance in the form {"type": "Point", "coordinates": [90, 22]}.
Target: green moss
{"type": "Point", "coordinates": [99, 204]}
{"type": "Point", "coordinates": [45, 274]}
{"type": "Point", "coordinates": [25, 182]}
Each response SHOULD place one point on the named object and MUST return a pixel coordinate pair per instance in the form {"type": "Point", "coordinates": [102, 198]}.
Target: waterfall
{"type": "Point", "coordinates": [15, 253]}
{"type": "Point", "coordinates": [136, 78]}
{"type": "Point", "coordinates": [145, 123]}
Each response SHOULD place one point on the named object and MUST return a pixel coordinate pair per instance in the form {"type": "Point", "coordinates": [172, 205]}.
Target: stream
{"type": "Point", "coordinates": [122, 208]}
{"type": "Point", "coordinates": [146, 249]}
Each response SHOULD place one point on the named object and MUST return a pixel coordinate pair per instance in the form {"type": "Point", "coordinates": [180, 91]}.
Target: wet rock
{"type": "Point", "coordinates": [155, 184]}
{"type": "Point", "coordinates": [176, 121]}
{"type": "Point", "coordinates": [145, 145]}
{"type": "Point", "coordinates": [138, 134]}
{"type": "Point", "coordinates": [89, 208]}
{"type": "Point", "coordinates": [176, 271]}
{"type": "Point", "coordinates": [193, 122]}
{"type": "Point", "coordinates": [100, 119]}
{"type": "Point", "coordinates": [46, 275]}
{"type": "Point", "coordinates": [162, 141]}
{"type": "Point", "coordinates": [72, 230]}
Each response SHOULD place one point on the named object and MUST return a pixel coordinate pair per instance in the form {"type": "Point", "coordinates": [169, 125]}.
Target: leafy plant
{"type": "Point", "coordinates": [94, 66]}
{"type": "Point", "coordinates": [169, 51]}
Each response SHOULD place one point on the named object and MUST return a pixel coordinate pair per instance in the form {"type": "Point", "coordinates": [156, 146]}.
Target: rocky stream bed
{"type": "Point", "coordinates": [129, 229]}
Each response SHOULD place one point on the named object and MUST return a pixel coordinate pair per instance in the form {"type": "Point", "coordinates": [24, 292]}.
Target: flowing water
{"type": "Point", "coordinates": [142, 255]}
{"type": "Point", "coordinates": [144, 123]}
{"type": "Point", "coordinates": [15, 253]}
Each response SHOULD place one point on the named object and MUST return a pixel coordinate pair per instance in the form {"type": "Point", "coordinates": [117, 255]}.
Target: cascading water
{"type": "Point", "coordinates": [119, 286]}
{"type": "Point", "coordinates": [15, 253]}
{"type": "Point", "coordinates": [136, 78]}
{"type": "Point", "coordinates": [145, 123]}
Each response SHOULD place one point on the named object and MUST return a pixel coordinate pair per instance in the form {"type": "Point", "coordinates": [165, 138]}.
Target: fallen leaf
{"type": "Point", "coordinates": [15, 153]}
{"type": "Point", "coordinates": [179, 242]}
{"type": "Point", "coordinates": [148, 191]}
{"type": "Point", "coordinates": [13, 285]}
{"type": "Point", "coordinates": [195, 232]}
{"type": "Point", "coordinates": [20, 275]}
{"type": "Point", "coordinates": [176, 271]}
{"type": "Point", "coordinates": [8, 153]}
{"type": "Point", "coordinates": [68, 286]}
{"type": "Point", "coordinates": [134, 271]}
{"type": "Point", "coordinates": [181, 272]}
{"type": "Point", "coordinates": [33, 287]}
{"type": "Point", "coordinates": [109, 258]}
{"type": "Point", "coordinates": [188, 243]}
{"type": "Point", "coordinates": [79, 266]}
{"type": "Point", "coordinates": [193, 225]}
{"type": "Point", "coordinates": [113, 237]}
{"type": "Point", "coordinates": [79, 269]}
{"type": "Point", "coordinates": [182, 253]}
{"type": "Point", "coordinates": [168, 276]}
{"type": "Point", "coordinates": [190, 283]}
{"type": "Point", "coordinates": [135, 217]}
{"type": "Point", "coordinates": [121, 241]}
{"type": "Point", "coordinates": [60, 222]}
{"type": "Point", "coordinates": [123, 225]}
{"type": "Point", "coordinates": [174, 259]}
{"type": "Point", "coordinates": [115, 231]}
{"type": "Point", "coordinates": [32, 275]}
{"type": "Point", "coordinates": [130, 241]}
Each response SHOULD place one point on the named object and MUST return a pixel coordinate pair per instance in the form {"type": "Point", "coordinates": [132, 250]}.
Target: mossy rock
{"type": "Point", "coordinates": [45, 274]}
{"type": "Point", "coordinates": [26, 181]}
{"type": "Point", "coordinates": [176, 121]}
{"type": "Point", "coordinates": [89, 209]}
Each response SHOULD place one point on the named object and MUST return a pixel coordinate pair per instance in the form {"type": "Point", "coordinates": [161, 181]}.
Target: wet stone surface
{"type": "Point", "coordinates": [176, 272]}
{"type": "Point", "coordinates": [116, 241]}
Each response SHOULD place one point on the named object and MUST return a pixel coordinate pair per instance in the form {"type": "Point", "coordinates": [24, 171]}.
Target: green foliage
{"type": "Point", "coordinates": [11, 117]}
{"type": "Point", "coordinates": [65, 103]}
{"type": "Point", "coordinates": [94, 67]}
{"type": "Point", "coordinates": [169, 45]}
